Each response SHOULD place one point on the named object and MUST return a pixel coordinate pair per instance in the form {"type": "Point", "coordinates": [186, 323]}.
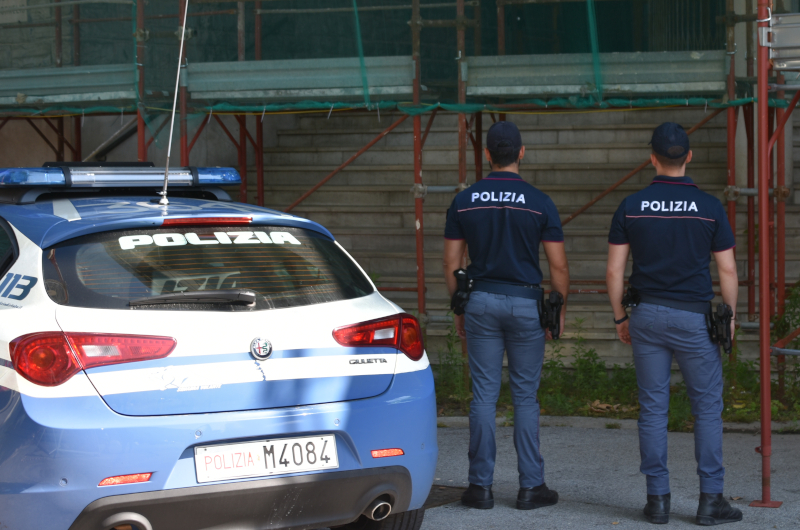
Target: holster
{"type": "Point", "coordinates": [719, 326]}
{"type": "Point", "coordinates": [632, 298]}
{"type": "Point", "coordinates": [551, 312]}
{"type": "Point", "coordinates": [463, 287]}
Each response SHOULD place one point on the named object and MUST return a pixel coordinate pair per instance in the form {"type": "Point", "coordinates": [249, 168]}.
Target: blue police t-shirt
{"type": "Point", "coordinates": [503, 219]}
{"type": "Point", "coordinates": [672, 228]}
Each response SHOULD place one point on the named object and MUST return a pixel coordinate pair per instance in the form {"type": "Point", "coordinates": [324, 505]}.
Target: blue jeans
{"type": "Point", "coordinates": [658, 333]}
{"type": "Point", "coordinates": [496, 323]}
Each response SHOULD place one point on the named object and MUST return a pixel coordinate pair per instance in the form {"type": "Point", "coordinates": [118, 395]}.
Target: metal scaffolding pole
{"type": "Point", "coordinates": [749, 121]}
{"type": "Point", "coordinates": [764, 288]}
{"type": "Point", "coordinates": [242, 119]}
{"type": "Point", "coordinates": [478, 146]}
{"type": "Point", "coordinates": [77, 121]}
{"type": "Point", "coordinates": [732, 116]}
{"type": "Point", "coordinates": [59, 37]}
{"type": "Point", "coordinates": [184, 96]}
{"type": "Point", "coordinates": [140, 51]}
{"type": "Point", "coordinates": [780, 230]}
{"type": "Point", "coordinates": [501, 38]}
{"type": "Point", "coordinates": [259, 124]}
{"type": "Point", "coordinates": [416, 26]}
{"type": "Point", "coordinates": [462, 92]}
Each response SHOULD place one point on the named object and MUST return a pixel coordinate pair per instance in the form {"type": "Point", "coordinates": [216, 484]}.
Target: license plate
{"type": "Point", "coordinates": [265, 458]}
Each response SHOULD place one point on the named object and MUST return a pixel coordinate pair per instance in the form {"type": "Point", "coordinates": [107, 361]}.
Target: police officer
{"type": "Point", "coordinates": [672, 229]}
{"type": "Point", "coordinates": [501, 220]}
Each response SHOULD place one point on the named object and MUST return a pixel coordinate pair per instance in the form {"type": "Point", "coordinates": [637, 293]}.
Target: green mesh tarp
{"type": "Point", "coordinates": [320, 29]}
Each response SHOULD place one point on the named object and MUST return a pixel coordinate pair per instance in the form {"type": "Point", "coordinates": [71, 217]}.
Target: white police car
{"type": "Point", "coordinates": [205, 364]}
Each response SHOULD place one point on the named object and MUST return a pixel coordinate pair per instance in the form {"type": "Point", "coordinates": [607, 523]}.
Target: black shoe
{"type": "Point", "coordinates": [538, 497]}
{"type": "Point", "coordinates": [714, 510]}
{"type": "Point", "coordinates": [479, 497]}
{"type": "Point", "coordinates": [657, 509]}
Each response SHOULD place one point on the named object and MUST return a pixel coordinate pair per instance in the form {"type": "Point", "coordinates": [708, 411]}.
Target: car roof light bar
{"type": "Point", "coordinates": [116, 177]}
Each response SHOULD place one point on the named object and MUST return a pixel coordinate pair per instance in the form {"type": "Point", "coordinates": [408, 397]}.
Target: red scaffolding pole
{"type": "Point", "coordinates": [733, 113]}
{"type": "Point", "coordinates": [763, 263]}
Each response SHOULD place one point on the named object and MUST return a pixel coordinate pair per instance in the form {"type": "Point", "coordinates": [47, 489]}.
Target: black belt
{"type": "Point", "coordinates": [693, 307]}
{"type": "Point", "coordinates": [533, 292]}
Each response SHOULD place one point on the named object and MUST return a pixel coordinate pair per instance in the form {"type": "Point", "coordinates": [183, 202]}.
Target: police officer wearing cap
{"type": "Point", "coordinates": [672, 229]}
{"type": "Point", "coordinates": [502, 220]}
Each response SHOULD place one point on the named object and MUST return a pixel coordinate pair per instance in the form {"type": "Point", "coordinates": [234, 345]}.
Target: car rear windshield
{"type": "Point", "coordinates": [286, 267]}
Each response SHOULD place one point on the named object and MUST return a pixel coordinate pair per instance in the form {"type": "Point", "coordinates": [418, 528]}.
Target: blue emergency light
{"type": "Point", "coordinates": [115, 177]}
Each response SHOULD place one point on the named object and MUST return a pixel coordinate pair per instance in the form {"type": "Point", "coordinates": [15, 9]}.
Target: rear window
{"type": "Point", "coordinates": [286, 267]}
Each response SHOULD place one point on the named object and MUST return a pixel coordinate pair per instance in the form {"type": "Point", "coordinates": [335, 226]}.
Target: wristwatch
{"type": "Point", "coordinates": [621, 320]}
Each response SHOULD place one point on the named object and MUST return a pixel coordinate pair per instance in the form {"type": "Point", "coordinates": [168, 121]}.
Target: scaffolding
{"type": "Point", "coordinates": [387, 76]}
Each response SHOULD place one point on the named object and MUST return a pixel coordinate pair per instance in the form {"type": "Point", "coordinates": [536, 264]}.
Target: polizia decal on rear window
{"type": "Point", "coordinates": [215, 238]}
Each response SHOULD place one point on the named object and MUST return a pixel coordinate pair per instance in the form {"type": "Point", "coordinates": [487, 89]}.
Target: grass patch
{"type": "Point", "coordinates": [589, 387]}
{"type": "Point", "coordinates": [613, 425]}
{"type": "Point", "coordinates": [452, 382]}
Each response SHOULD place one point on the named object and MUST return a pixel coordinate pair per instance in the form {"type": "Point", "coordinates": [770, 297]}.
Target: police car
{"type": "Point", "coordinates": [206, 364]}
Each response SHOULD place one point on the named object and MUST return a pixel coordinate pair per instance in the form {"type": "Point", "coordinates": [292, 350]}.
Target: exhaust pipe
{"type": "Point", "coordinates": [139, 522]}
{"type": "Point", "coordinates": [378, 510]}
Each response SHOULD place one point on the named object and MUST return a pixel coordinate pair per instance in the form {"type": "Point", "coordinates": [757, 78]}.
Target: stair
{"type": "Point", "coordinates": [571, 157]}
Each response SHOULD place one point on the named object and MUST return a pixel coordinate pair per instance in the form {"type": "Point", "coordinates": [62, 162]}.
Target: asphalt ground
{"type": "Point", "coordinates": [596, 473]}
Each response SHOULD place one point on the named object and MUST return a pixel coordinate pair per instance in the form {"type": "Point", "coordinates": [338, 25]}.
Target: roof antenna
{"type": "Point", "coordinates": [164, 201]}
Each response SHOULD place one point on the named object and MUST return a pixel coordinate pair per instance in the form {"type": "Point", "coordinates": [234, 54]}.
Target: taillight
{"type": "Point", "coordinates": [98, 349]}
{"type": "Point", "coordinates": [399, 331]}
{"type": "Point", "coordinates": [411, 337]}
{"type": "Point", "coordinates": [43, 358]}
{"type": "Point", "coordinates": [52, 358]}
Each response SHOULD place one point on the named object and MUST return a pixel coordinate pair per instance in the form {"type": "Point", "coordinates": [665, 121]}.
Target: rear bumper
{"type": "Point", "coordinates": [300, 502]}
{"type": "Point", "coordinates": [54, 452]}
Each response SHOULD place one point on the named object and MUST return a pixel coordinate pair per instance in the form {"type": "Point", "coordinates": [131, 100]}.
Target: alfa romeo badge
{"type": "Point", "coordinates": [261, 349]}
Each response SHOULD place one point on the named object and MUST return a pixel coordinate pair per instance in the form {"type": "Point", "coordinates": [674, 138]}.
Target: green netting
{"type": "Point", "coordinates": [598, 77]}
{"type": "Point", "coordinates": [328, 29]}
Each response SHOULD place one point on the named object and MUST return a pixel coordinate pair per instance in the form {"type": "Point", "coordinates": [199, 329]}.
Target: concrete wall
{"type": "Point", "coordinates": [29, 47]}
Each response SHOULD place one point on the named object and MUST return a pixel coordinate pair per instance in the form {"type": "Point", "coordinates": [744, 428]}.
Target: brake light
{"type": "Point", "coordinates": [383, 453]}
{"type": "Point", "coordinates": [126, 479]}
{"type": "Point", "coordinates": [97, 349]}
{"type": "Point", "coordinates": [399, 331]}
{"type": "Point", "coordinates": [52, 358]}
{"type": "Point", "coordinates": [199, 221]}
{"type": "Point", "coordinates": [43, 358]}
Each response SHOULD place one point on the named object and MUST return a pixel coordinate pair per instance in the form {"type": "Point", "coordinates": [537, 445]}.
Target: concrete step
{"type": "Point", "coordinates": [595, 312]}
{"type": "Point", "coordinates": [448, 154]}
{"type": "Point", "coordinates": [567, 197]}
{"type": "Point", "coordinates": [572, 156]}
{"type": "Point", "coordinates": [441, 174]}
{"type": "Point", "coordinates": [583, 265]}
{"type": "Point", "coordinates": [532, 135]}
{"type": "Point", "coordinates": [362, 120]}
{"type": "Point", "coordinates": [598, 217]}
{"type": "Point", "coordinates": [575, 240]}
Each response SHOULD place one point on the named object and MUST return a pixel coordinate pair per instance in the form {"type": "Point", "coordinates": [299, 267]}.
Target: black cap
{"type": "Point", "coordinates": [670, 140]}
{"type": "Point", "coordinates": [503, 137]}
